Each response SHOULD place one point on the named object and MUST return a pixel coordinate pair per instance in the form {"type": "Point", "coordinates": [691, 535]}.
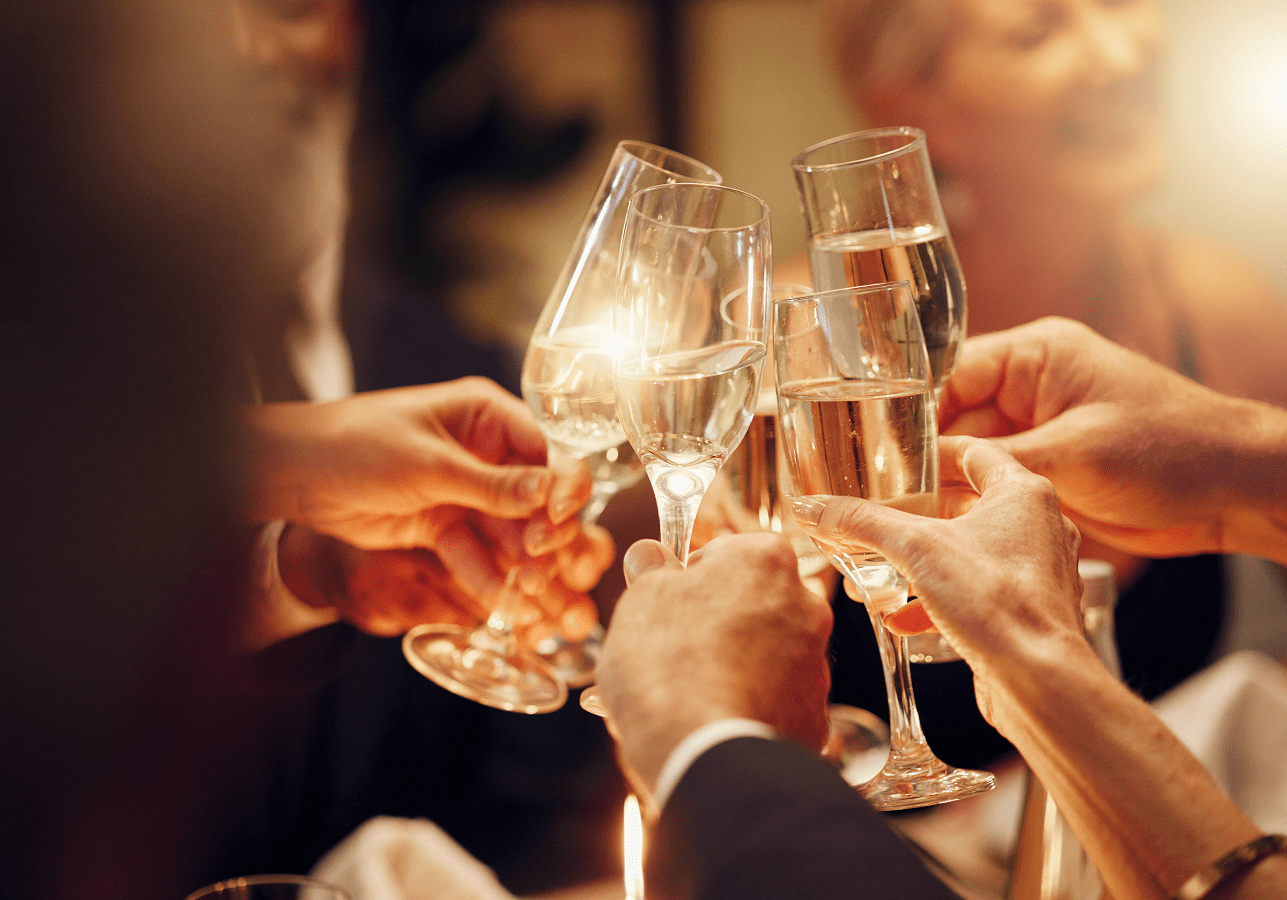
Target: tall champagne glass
{"type": "Point", "coordinates": [567, 372]}
{"type": "Point", "coordinates": [857, 414]}
{"type": "Point", "coordinates": [692, 297]}
{"type": "Point", "coordinates": [872, 214]}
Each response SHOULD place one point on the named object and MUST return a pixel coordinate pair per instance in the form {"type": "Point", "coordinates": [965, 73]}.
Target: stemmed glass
{"type": "Point", "coordinates": [857, 414]}
{"type": "Point", "coordinates": [567, 372]}
{"type": "Point", "coordinates": [567, 380]}
{"type": "Point", "coordinates": [692, 297]}
{"type": "Point", "coordinates": [872, 215]}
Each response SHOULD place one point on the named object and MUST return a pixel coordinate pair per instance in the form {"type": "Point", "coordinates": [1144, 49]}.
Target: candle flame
{"type": "Point", "coordinates": [632, 838]}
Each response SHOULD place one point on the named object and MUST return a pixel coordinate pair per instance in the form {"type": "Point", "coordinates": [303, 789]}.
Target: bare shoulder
{"type": "Point", "coordinates": [1238, 316]}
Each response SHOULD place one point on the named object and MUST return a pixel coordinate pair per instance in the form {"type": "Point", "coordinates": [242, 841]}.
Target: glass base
{"type": "Point", "coordinates": [574, 662]}
{"type": "Point", "coordinates": [858, 743]}
{"type": "Point", "coordinates": [904, 786]}
{"type": "Point", "coordinates": [473, 664]}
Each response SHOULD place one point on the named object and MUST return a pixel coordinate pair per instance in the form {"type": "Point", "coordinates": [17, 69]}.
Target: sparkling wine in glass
{"type": "Point", "coordinates": [692, 297]}
{"type": "Point", "coordinates": [754, 469]}
{"type": "Point", "coordinates": [858, 418]}
{"type": "Point", "coordinates": [568, 369]}
{"type": "Point", "coordinates": [873, 215]}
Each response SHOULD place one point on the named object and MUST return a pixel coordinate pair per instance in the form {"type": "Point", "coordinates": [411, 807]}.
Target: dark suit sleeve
{"type": "Point", "coordinates": [755, 818]}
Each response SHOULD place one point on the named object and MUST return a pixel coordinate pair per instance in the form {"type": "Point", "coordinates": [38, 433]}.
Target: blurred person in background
{"type": "Point", "coordinates": [377, 110]}
{"type": "Point", "coordinates": [1043, 122]}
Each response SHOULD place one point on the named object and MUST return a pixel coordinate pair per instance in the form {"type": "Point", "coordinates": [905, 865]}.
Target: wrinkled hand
{"type": "Point", "coordinates": [736, 634]}
{"type": "Point", "coordinates": [394, 469]}
{"type": "Point", "coordinates": [1138, 453]}
{"type": "Point", "coordinates": [998, 579]}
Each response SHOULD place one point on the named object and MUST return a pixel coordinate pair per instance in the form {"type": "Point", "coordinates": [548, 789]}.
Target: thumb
{"type": "Point", "coordinates": [646, 555]}
{"type": "Point", "coordinates": [855, 525]}
{"type": "Point", "coordinates": [504, 491]}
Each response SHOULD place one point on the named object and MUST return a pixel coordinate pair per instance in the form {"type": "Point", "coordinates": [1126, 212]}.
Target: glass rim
{"type": "Point", "coordinates": [848, 291]}
{"type": "Point", "coordinates": [916, 141]}
{"type": "Point", "coordinates": [632, 147]}
{"type": "Point", "coordinates": [633, 210]}
{"type": "Point", "coordinates": [227, 884]}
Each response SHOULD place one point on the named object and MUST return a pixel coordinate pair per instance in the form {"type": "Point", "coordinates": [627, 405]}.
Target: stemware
{"type": "Point", "coordinates": [270, 887]}
{"type": "Point", "coordinates": [692, 298]}
{"type": "Point", "coordinates": [692, 294]}
{"type": "Point", "coordinates": [567, 372]}
{"type": "Point", "coordinates": [872, 214]}
{"type": "Point", "coordinates": [857, 414]}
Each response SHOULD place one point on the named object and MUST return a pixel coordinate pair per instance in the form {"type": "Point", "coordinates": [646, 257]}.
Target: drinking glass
{"type": "Point", "coordinates": [755, 467]}
{"type": "Point", "coordinates": [857, 415]}
{"type": "Point", "coordinates": [872, 215]}
{"type": "Point", "coordinates": [270, 887]}
{"type": "Point", "coordinates": [692, 296]}
{"type": "Point", "coordinates": [567, 372]}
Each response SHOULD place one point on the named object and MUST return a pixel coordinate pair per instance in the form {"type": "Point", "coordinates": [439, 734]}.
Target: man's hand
{"type": "Point", "coordinates": [736, 634]}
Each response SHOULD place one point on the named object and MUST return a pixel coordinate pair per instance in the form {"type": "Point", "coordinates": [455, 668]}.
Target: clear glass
{"type": "Point", "coordinates": [872, 214]}
{"type": "Point", "coordinates": [692, 298]}
{"type": "Point", "coordinates": [857, 418]}
{"type": "Point", "coordinates": [271, 887]}
{"type": "Point", "coordinates": [755, 467]}
{"type": "Point", "coordinates": [567, 371]}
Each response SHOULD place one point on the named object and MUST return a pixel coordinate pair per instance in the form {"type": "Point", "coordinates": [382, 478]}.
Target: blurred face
{"type": "Point", "coordinates": [1063, 93]}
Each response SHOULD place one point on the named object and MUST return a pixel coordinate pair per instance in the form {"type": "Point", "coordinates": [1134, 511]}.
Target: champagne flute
{"type": "Point", "coordinates": [872, 214]}
{"type": "Point", "coordinates": [692, 294]}
{"type": "Point", "coordinates": [857, 414]}
{"type": "Point", "coordinates": [567, 372]}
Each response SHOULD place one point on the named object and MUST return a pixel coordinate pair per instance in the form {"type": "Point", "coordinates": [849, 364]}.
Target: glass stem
{"type": "Point", "coordinates": [600, 494]}
{"type": "Point", "coordinates": [497, 634]}
{"type": "Point", "coordinates": [679, 494]}
{"type": "Point", "coordinates": [906, 739]}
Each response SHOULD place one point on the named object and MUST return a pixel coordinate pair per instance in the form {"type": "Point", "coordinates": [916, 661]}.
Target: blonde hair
{"type": "Point", "coordinates": [884, 40]}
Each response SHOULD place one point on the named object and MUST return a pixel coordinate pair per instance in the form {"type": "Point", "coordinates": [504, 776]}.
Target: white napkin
{"type": "Point", "coordinates": [389, 858]}
{"type": "Point", "coordinates": [1233, 716]}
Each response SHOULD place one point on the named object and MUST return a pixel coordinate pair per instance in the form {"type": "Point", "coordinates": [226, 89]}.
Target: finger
{"type": "Point", "coordinates": [583, 562]}
{"type": "Point", "coordinates": [977, 462]}
{"type": "Point", "coordinates": [645, 556]}
{"type": "Point", "coordinates": [571, 487]}
{"type": "Point", "coordinates": [909, 620]}
{"type": "Point", "coordinates": [471, 563]}
{"type": "Point", "coordinates": [856, 525]}
{"type": "Point", "coordinates": [506, 491]}
{"type": "Point", "coordinates": [542, 535]}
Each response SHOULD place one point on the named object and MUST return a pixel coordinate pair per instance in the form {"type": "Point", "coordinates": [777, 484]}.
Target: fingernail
{"type": "Point", "coordinates": [536, 536]}
{"type": "Point", "coordinates": [808, 510]}
{"type": "Point", "coordinates": [563, 508]}
{"type": "Point", "coordinates": [534, 487]}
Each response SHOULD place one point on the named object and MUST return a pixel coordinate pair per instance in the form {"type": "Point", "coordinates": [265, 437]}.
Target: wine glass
{"type": "Point", "coordinates": [754, 468]}
{"type": "Point", "coordinates": [692, 298]}
{"type": "Point", "coordinates": [857, 415]}
{"type": "Point", "coordinates": [567, 371]}
{"type": "Point", "coordinates": [271, 887]}
{"type": "Point", "coordinates": [692, 295]}
{"type": "Point", "coordinates": [872, 215]}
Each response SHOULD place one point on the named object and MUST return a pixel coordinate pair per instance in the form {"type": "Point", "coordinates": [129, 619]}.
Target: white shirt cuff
{"type": "Point", "coordinates": [690, 748]}
{"type": "Point", "coordinates": [273, 613]}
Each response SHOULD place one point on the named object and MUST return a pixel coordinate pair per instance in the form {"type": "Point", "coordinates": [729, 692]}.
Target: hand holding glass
{"type": "Point", "coordinates": [857, 414]}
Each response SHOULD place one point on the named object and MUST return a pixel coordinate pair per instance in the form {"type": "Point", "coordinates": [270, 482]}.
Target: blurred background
{"type": "Point", "coordinates": [744, 85]}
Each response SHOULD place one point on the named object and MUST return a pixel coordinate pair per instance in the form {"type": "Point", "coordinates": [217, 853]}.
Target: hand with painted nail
{"type": "Point", "coordinates": [734, 635]}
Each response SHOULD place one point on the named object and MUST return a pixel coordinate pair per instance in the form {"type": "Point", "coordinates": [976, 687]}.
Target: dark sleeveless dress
{"type": "Point", "coordinates": [1168, 623]}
